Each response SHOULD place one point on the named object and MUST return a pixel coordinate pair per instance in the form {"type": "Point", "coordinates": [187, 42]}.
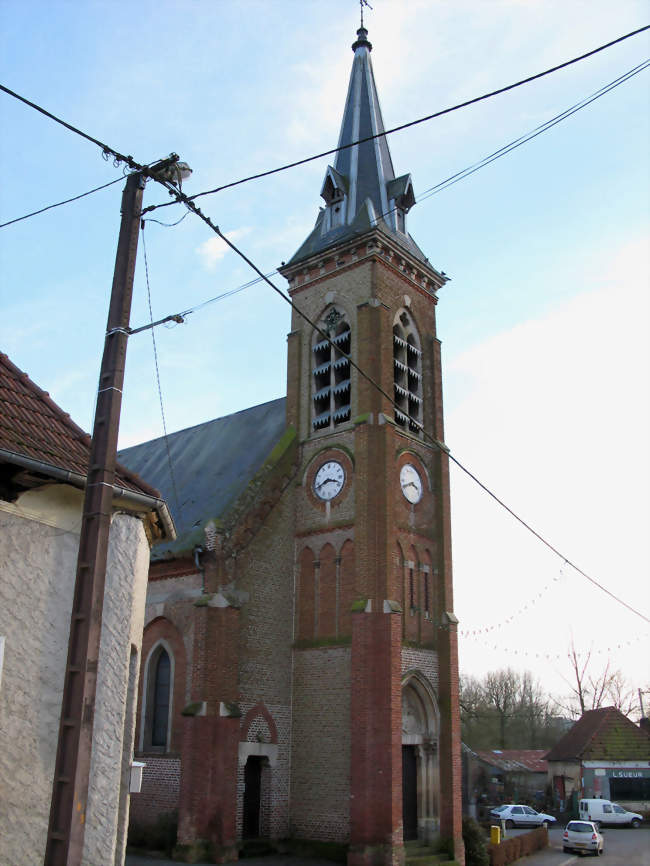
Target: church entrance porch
{"type": "Point", "coordinates": [420, 774]}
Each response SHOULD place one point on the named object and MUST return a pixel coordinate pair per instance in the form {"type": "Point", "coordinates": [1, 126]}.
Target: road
{"type": "Point", "coordinates": [623, 847]}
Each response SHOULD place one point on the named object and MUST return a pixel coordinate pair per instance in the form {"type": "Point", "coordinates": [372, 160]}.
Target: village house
{"type": "Point", "coordinates": [603, 755]}
{"type": "Point", "coordinates": [43, 465]}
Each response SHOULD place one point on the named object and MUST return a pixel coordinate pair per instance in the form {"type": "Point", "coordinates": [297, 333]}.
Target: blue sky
{"type": "Point", "coordinates": [544, 324]}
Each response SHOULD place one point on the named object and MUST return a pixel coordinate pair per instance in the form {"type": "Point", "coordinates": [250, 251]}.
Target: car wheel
{"type": "Point", "coordinates": [509, 824]}
{"type": "Point", "coordinates": [566, 850]}
{"type": "Point", "coordinates": [545, 825]}
{"type": "Point", "coordinates": [636, 823]}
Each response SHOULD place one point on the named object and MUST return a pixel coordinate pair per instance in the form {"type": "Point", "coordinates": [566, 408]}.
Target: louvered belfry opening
{"type": "Point", "coordinates": [331, 372]}
{"type": "Point", "coordinates": [407, 364]}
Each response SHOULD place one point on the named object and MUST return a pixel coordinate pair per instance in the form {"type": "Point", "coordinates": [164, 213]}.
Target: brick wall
{"type": "Point", "coordinates": [320, 758]}
{"type": "Point", "coordinates": [161, 780]}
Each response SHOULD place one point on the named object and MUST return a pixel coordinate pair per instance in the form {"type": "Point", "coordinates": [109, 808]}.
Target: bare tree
{"type": "Point", "coordinates": [501, 688]}
{"type": "Point", "coordinates": [591, 691]}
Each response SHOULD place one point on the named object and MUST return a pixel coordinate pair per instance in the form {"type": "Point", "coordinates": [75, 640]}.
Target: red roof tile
{"type": "Point", "coordinates": [32, 425]}
{"type": "Point", "coordinates": [604, 734]}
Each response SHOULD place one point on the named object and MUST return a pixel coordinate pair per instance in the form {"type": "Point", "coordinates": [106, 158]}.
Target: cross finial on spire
{"type": "Point", "coordinates": [363, 3]}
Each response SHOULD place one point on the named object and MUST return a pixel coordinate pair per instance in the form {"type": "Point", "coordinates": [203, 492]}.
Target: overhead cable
{"type": "Point", "coordinates": [439, 187]}
{"type": "Point", "coordinates": [59, 203]}
{"type": "Point", "coordinates": [413, 122]}
{"type": "Point", "coordinates": [181, 197]}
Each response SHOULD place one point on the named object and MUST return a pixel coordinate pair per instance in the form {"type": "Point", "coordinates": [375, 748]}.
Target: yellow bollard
{"type": "Point", "coordinates": [495, 835]}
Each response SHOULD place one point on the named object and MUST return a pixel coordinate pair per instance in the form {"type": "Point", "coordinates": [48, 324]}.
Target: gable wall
{"type": "Point", "coordinates": [37, 571]}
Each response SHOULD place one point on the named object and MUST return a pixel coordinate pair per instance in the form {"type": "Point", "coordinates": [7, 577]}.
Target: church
{"type": "Point", "coordinates": [299, 661]}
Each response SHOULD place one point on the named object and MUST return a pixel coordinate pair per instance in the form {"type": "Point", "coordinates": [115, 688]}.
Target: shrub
{"type": "Point", "coordinates": [159, 836]}
{"type": "Point", "coordinates": [476, 853]}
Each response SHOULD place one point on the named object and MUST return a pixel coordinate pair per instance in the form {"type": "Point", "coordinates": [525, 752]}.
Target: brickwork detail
{"type": "Point", "coordinates": [161, 780]}
{"type": "Point", "coordinates": [320, 789]}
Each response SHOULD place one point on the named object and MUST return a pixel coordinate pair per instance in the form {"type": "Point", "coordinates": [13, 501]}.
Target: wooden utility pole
{"type": "Point", "coordinates": [65, 838]}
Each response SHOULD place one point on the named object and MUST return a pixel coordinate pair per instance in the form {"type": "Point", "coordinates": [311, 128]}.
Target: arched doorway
{"type": "Point", "coordinates": [252, 797]}
{"type": "Point", "coordinates": [420, 776]}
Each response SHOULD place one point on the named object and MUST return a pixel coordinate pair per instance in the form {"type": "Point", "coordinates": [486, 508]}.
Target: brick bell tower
{"type": "Point", "coordinates": [376, 730]}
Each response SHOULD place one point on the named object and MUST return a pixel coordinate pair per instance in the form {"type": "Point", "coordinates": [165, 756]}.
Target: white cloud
{"type": "Point", "coordinates": [214, 249]}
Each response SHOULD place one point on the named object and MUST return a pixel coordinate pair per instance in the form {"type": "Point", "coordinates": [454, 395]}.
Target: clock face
{"type": "Point", "coordinates": [411, 483]}
{"type": "Point", "coordinates": [329, 480]}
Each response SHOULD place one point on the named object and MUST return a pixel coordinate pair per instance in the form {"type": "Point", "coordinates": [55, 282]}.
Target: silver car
{"type": "Point", "coordinates": [516, 815]}
{"type": "Point", "coordinates": [581, 836]}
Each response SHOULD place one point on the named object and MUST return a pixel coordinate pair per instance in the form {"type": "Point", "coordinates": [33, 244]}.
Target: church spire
{"type": "Point", "coordinates": [360, 190]}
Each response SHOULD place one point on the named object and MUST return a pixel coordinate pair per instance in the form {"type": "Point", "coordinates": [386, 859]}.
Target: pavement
{"type": "Point", "coordinates": [268, 860]}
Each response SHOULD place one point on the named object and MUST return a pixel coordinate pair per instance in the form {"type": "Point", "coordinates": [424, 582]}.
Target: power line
{"type": "Point", "coordinates": [155, 358]}
{"type": "Point", "coordinates": [548, 124]}
{"type": "Point", "coordinates": [106, 150]}
{"type": "Point", "coordinates": [59, 203]}
{"type": "Point", "coordinates": [189, 203]}
{"type": "Point", "coordinates": [439, 187]}
{"type": "Point", "coordinates": [412, 122]}
{"type": "Point", "coordinates": [181, 197]}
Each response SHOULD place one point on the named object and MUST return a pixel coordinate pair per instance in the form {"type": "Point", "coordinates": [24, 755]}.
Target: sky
{"type": "Point", "coordinates": [544, 324]}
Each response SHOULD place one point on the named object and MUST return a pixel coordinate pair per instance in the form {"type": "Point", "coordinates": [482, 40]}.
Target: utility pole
{"type": "Point", "coordinates": [65, 838]}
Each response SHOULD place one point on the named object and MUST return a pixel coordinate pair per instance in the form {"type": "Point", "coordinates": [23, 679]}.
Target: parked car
{"type": "Point", "coordinates": [581, 836]}
{"type": "Point", "coordinates": [516, 815]}
{"type": "Point", "coordinates": [606, 812]}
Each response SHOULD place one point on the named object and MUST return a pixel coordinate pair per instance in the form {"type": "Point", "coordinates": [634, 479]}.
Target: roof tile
{"type": "Point", "coordinates": [33, 426]}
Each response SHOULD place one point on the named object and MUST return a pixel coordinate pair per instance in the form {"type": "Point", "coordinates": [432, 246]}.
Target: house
{"type": "Point", "coordinates": [43, 465]}
{"type": "Point", "coordinates": [300, 663]}
{"type": "Point", "coordinates": [603, 755]}
{"type": "Point", "coordinates": [505, 776]}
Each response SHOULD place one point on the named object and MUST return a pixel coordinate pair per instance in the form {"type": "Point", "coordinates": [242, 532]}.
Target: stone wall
{"type": "Point", "coordinates": [38, 550]}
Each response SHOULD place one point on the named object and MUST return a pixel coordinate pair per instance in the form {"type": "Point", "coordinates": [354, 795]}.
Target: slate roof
{"type": "Point", "coordinates": [33, 426]}
{"type": "Point", "coordinates": [212, 464]}
{"type": "Point", "coordinates": [363, 171]}
{"type": "Point", "coordinates": [603, 734]}
{"type": "Point", "coordinates": [515, 760]}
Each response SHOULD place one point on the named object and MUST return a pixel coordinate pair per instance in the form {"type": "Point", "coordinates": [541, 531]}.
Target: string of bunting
{"type": "Point", "coordinates": [560, 656]}
{"type": "Point", "coordinates": [510, 619]}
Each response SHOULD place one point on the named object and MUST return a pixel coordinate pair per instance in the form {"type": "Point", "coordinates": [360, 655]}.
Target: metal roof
{"type": "Point", "coordinates": [212, 464]}
{"type": "Point", "coordinates": [362, 174]}
{"type": "Point", "coordinates": [515, 760]}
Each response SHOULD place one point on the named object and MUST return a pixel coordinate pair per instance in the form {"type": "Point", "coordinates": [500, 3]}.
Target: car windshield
{"type": "Point", "coordinates": [580, 827]}
{"type": "Point", "coordinates": [619, 809]}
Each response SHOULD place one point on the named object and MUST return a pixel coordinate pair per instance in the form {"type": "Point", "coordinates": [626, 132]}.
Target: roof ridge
{"type": "Point", "coordinates": [200, 424]}
{"type": "Point", "coordinates": [44, 396]}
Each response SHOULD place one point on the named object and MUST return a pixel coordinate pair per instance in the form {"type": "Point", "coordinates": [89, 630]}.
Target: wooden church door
{"type": "Point", "coordinates": [409, 793]}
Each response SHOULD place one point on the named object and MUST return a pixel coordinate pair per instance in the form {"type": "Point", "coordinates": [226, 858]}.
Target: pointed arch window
{"type": "Point", "coordinates": [331, 384]}
{"type": "Point", "coordinates": [407, 373]}
{"type": "Point", "coordinates": [158, 699]}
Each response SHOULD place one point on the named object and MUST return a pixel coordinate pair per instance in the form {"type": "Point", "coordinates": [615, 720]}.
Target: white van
{"type": "Point", "coordinates": [606, 812]}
